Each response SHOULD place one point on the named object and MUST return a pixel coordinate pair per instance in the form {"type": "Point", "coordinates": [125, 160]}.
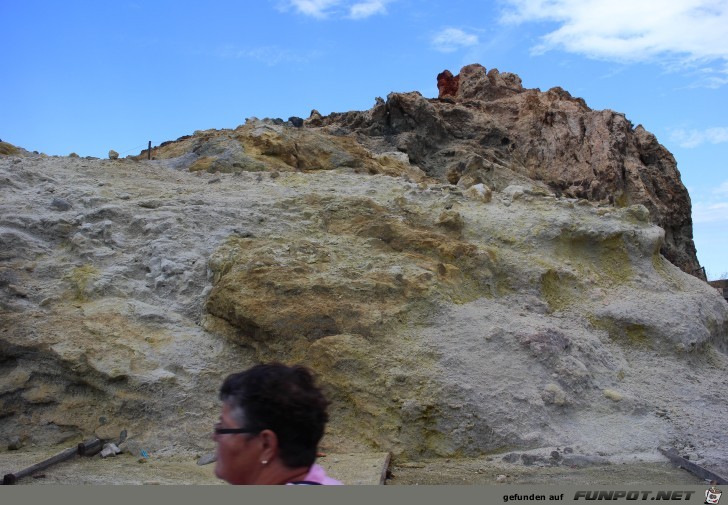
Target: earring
{"type": "Point", "coordinates": [265, 461]}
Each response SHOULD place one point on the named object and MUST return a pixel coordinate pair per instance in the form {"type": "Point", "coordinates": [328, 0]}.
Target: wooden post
{"type": "Point", "coordinates": [149, 152]}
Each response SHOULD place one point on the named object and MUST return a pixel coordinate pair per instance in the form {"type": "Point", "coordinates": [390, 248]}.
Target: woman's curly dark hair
{"type": "Point", "coordinates": [285, 400]}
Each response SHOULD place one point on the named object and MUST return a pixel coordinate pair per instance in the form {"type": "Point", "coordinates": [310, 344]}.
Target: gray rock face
{"type": "Point", "coordinates": [546, 136]}
{"type": "Point", "coordinates": [444, 319]}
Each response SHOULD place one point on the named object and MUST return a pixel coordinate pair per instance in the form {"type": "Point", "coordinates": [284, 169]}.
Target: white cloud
{"type": "Point", "coordinates": [712, 206]}
{"type": "Point", "coordinates": [321, 9]}
{"type": "Point", "coordinates": [695, 138]}
{"type": "Point", "coordinates": [368, 8]}
{"type": "Point", "coordinates": [722, 189]}
{"type": "Point", "coordinates": [710, 212]}
{"type": "Point", "coordinates": [315, 8]}
{"type": "Point", "coordinates": [691, 31]}
{"type": "Point", "coordinates": [714, 77]}
{"type": "Point", "coordinates": [452, 39]}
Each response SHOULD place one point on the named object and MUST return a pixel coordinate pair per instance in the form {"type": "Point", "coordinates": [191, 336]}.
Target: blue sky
{"type": "Point", "coordinates": [89, 76]}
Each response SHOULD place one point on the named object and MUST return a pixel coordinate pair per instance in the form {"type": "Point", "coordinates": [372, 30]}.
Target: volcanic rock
{"type": "Point", "coordinates": [453, 296]}
{"type": "Point", "coordinates": [548, 137]}
{"type": "Point", "coordinates": [447, 84]}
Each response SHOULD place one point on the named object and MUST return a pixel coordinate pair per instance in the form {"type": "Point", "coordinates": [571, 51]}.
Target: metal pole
{"type": "Point", "coordinates": [86, 448]}
{"type": "Point", "coordinates": [12, 478]}
{"type": "Point", "coordinates": [149, 151]}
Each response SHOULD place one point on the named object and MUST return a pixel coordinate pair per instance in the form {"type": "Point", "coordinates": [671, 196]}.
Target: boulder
{"type": "Point", "coordinates": [447, 84]}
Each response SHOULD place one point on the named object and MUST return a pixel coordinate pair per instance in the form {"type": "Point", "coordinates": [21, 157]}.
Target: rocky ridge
{"type": "Point", "coordinates": [457, 295]}
{"type": "Point", "coordinates": [485, 127]}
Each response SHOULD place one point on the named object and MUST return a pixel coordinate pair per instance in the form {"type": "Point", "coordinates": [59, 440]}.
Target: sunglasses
{"type": "Point", "coordinates": [225, 431]}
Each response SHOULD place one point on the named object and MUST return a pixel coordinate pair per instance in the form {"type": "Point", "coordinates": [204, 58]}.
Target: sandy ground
{"type": "Point", "coordinates": [351, 468]}
{"type": "Point", "coordinates": [480, 471]}
{"type": "Point", "coordinates": [127, 469]}
{"type": "Point", "coordinates": [122, 469]}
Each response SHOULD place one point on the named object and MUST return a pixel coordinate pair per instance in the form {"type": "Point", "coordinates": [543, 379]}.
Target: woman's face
{"type": "Point", "coordinates": [238, 454]}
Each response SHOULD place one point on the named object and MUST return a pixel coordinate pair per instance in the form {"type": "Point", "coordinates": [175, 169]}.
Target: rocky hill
{"type": "Point", "coordinates": [484, 127]}
{"type": "Point", "coordinates": [490, 271]}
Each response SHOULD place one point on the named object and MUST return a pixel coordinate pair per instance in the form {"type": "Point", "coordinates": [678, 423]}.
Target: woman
{"type": "Point", "coordinates": [273, 417]}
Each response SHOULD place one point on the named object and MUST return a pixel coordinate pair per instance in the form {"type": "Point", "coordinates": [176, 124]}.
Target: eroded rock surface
{"type": "Point", "coordinates": [454, 298]}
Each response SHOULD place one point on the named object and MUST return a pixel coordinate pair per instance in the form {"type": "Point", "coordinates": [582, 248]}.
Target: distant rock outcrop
{"type": "Point", "coordinates": [447, 84]}
{"type": "Point", "coordinates": [8, 149]}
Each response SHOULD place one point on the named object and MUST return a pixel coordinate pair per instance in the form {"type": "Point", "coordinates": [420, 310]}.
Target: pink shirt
{"type": "Point", "coordinates": [317, 474]}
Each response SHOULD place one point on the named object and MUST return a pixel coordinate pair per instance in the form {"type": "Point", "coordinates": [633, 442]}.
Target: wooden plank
{"type": "Point", "coordinates": [691, 467]}
{"type": "Point", "coordinates": [357, 468]}
{"type": "Point", "coordinates": [385, 467]}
